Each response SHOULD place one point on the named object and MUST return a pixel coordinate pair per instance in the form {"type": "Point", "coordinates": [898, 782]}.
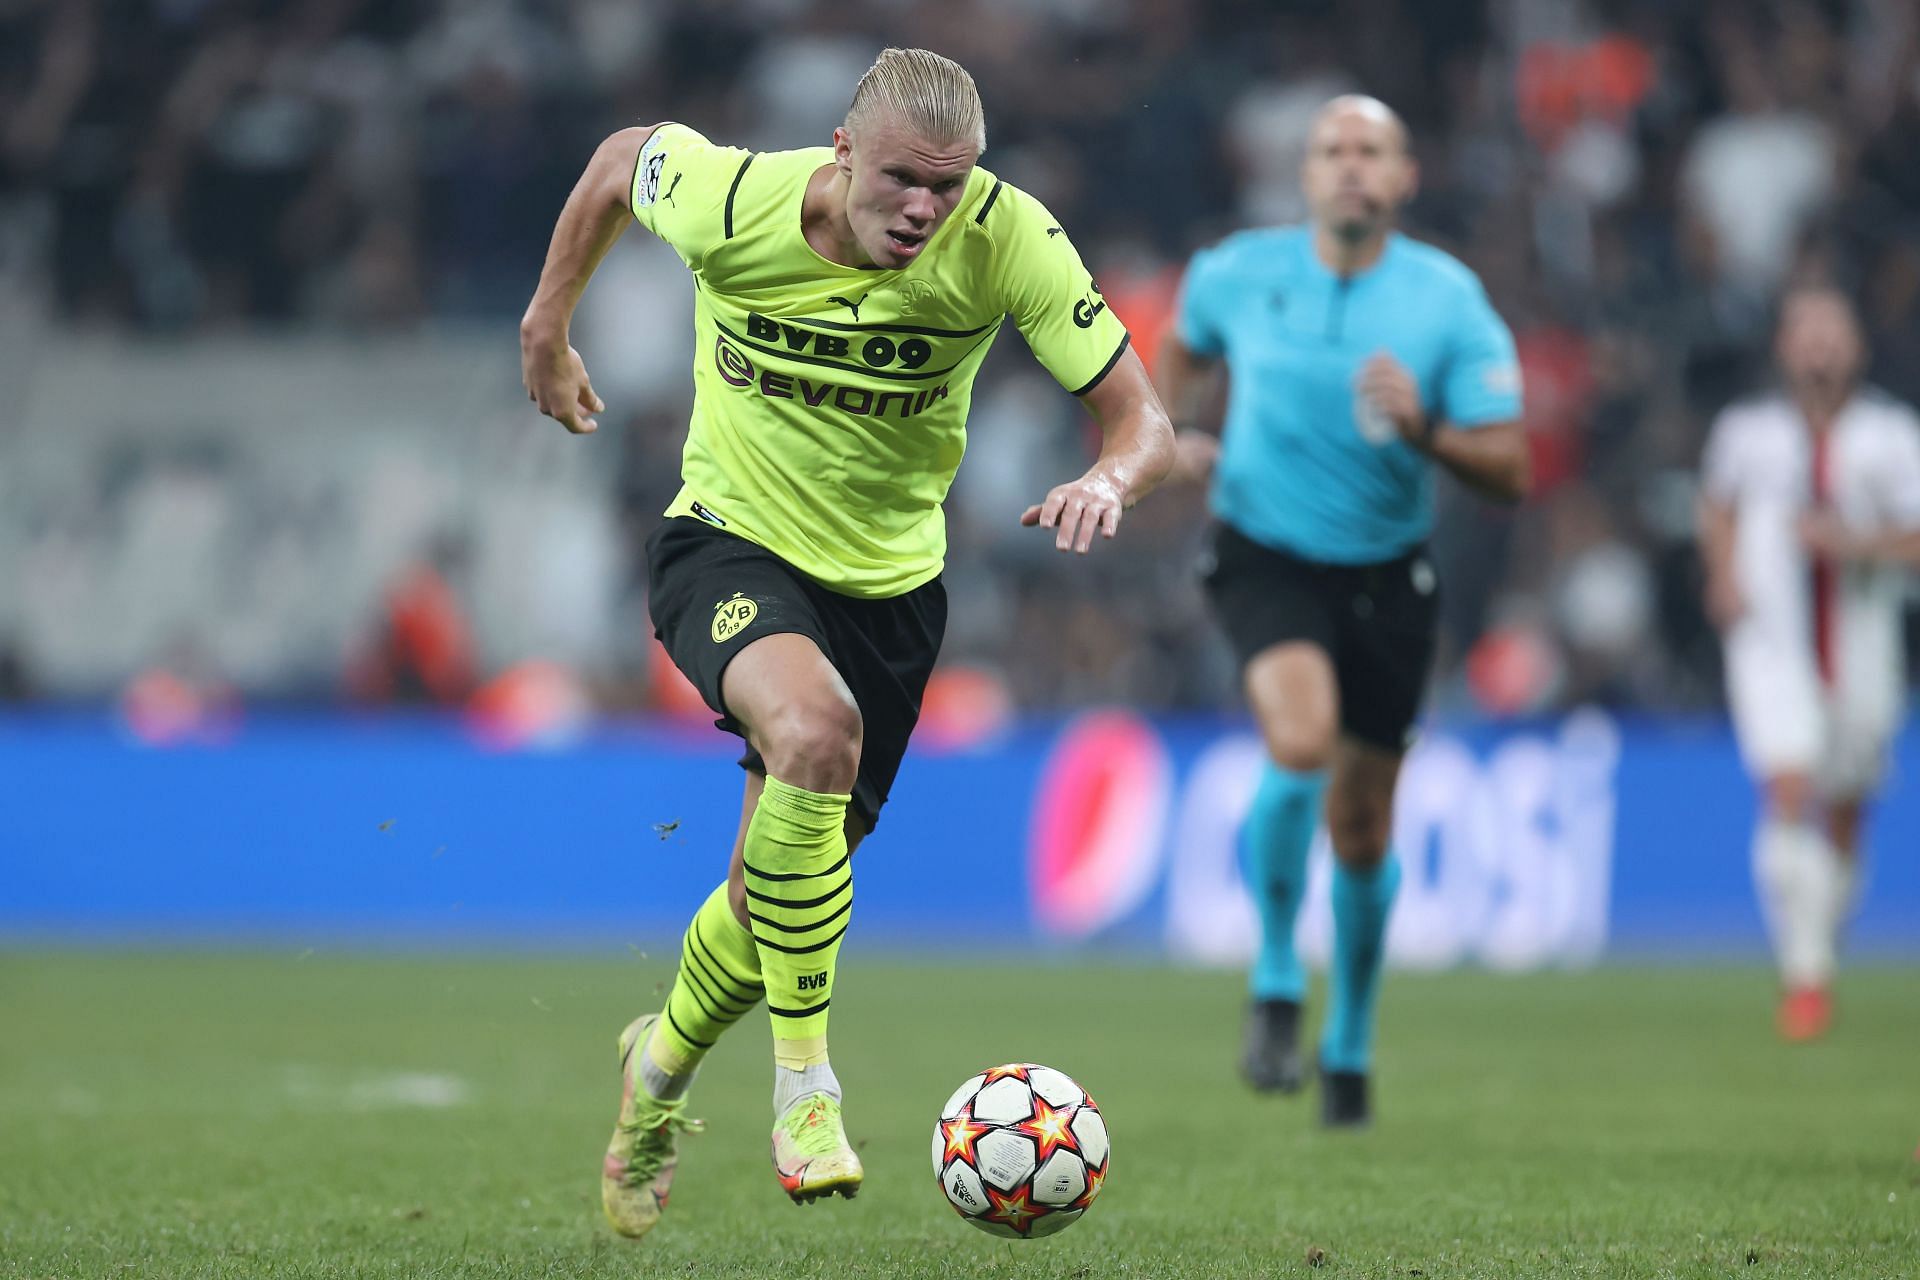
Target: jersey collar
{"type": "Point", "coordinates": [1321, 271]}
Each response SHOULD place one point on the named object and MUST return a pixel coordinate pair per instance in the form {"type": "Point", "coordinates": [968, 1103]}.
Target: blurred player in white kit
{"type": "Point", "coordinates": [1809, 522]}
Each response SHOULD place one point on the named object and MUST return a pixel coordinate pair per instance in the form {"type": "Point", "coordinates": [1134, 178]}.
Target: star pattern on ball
{"type": "Point", "coordinates": [1095, 1177]}
{"type": "Point", "coordinates": [1050, 1129]}
{"type": "Point", "coordinates": [960, 1135]}
{"type": "Point", "coordinates": [1014, 1208]}
{"type": "Point", "coordinates": [1012, 1071]}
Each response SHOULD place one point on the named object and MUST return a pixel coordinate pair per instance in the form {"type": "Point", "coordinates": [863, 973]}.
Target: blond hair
{"type": "Point", "coordinates": [931, 96]}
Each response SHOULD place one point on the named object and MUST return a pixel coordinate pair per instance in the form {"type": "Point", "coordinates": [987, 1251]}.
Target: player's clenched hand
{"type": "Point", "coordinates": [1091, 503]}
{"type": "Point", "coordinates": [556, 382]}
{"type": "Point", "coordinates": [1386, 384]}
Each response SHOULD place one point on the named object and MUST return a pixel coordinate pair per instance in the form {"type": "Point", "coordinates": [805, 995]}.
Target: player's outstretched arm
{"type": "Point", "coordinates": [1136, 455]}
{"type": "Point", "coordinates": [593, 218]}
{"type": "Point", "coordinates": [1188, 385]}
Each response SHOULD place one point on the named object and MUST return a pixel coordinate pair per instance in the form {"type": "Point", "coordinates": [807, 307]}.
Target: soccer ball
{"type": "Point", "coordinates": [1020, 1151]}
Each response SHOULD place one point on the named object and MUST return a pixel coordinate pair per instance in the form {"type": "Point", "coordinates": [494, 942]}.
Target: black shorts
{"type": "Point", "coordinates": [1377, 622]}
{"type": "Point", "coordinates": [711, 594]}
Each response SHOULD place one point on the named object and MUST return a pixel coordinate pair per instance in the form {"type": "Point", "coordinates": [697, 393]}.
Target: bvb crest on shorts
{"type": "Point", "coordinates": [732, 616]}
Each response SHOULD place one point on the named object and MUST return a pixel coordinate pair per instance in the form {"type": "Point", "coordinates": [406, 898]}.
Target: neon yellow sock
{"type": "Point", "coordinates": [799, 899]}
{"type": "Point", "coordinates": [718, 983]}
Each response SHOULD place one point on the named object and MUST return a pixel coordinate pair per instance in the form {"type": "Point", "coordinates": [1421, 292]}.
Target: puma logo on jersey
{"type": "Point", "coordinates": [1052, 232]}
{"type": "Point", "coordinates": [852, 306]}
{"type": "Point", "coordinates": [667, 195]}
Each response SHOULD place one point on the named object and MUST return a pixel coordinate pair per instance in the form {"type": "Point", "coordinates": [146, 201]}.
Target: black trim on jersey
{"type": "Point", "coordinates": [981, 217]}
{"type": "Point", "coordinates": [1107, 368]}
{"type": "Point", "coordinates": [734, 188]}
{"type": "Point", "coordinates": [925, 331]}
{"type": "Point", "coordinates": [866, 371]}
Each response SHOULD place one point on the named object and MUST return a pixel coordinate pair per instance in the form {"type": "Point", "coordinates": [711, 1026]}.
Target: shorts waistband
{"type": "Point", "coordinates": [1363, 572]}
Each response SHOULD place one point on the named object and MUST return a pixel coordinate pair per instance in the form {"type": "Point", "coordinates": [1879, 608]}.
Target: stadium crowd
{"type": "Point", "coordinates": [1634, 180]}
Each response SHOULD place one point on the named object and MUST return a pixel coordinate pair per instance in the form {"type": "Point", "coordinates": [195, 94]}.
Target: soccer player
{"type": "Point", "coordinates": [1355, 359]}
{"type": "Point", "coordinates": [845, 298]}
{"type": "Point", "coordinates": [1809, 520]}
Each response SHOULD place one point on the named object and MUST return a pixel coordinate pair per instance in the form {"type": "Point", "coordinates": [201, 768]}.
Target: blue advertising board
{"type": "Point", "coordinates": [1551, 844]}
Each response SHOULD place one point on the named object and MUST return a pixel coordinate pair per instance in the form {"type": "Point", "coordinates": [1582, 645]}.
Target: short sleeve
{"type": "Point", "coordinates": [1198, 318]}
{"type": "Point", "coordinates": [1720, 470]}
{"type": "Point", "coordinates": [1483, 374]}
{"type": "Point", "coordinates": [683, 188]}
{"type": "Point", "coordinates": [1051, 297]}
{"type": "Point", "coordinates": [1899, 474]}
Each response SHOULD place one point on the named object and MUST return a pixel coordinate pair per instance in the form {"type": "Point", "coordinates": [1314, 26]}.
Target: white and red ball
{"type": "Point", "coordinates": [1020, 1151]}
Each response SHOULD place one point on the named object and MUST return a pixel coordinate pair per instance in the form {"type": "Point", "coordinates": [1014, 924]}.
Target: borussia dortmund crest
{"type": "Point", "coordinates": [732, 616]}
{"type": "Point", "coordinates": [913, 295]}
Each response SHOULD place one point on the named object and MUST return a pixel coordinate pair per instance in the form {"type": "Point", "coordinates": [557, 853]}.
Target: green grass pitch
{"type": "Point", "coordinates": [321, 1115]}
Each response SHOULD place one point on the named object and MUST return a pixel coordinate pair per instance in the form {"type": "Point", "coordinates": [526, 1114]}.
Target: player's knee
{"type": "Point", "coordinates": [1360, 831]}
{"type": "Point", "coordinates": [1300, 748]}
{"type": "Point", "coordinates": [1844, 820]}
{"type": "Point", "coordinates": [1790, 797]}
{"type": "Point", "coordinates": [1360, 846]}
{"type": "Point", "coordinates": [814, 745]}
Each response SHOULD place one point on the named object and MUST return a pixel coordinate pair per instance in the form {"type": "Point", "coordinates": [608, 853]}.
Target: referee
{"type": "Point", "coordinates": [1355, 358]}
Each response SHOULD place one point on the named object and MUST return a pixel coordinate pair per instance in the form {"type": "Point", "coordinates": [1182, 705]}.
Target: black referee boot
{"type": "Point", "coordinates": [1343, 1100]}
{"type": "Point", "coordinates": [1270, 1061]}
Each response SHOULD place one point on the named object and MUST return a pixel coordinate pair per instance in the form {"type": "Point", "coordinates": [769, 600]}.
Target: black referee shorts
{"type": "Point", "coordinates": [1377, 622]}
{"type": "Point", "coordinates": [711, 594]}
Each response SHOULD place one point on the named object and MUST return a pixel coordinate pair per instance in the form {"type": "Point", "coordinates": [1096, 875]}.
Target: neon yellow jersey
{"type": "Point", "coordinates": [830, 402]}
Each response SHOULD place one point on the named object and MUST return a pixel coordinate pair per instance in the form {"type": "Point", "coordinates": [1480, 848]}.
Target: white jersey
{"type": "Point", "coordinates": [1815, 665]}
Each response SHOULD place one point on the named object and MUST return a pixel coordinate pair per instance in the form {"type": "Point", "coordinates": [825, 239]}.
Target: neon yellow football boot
{"type": "Point", "coordinates": [638, 1172]}
{"type": "Point", "coordinates": [810, 1151]}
